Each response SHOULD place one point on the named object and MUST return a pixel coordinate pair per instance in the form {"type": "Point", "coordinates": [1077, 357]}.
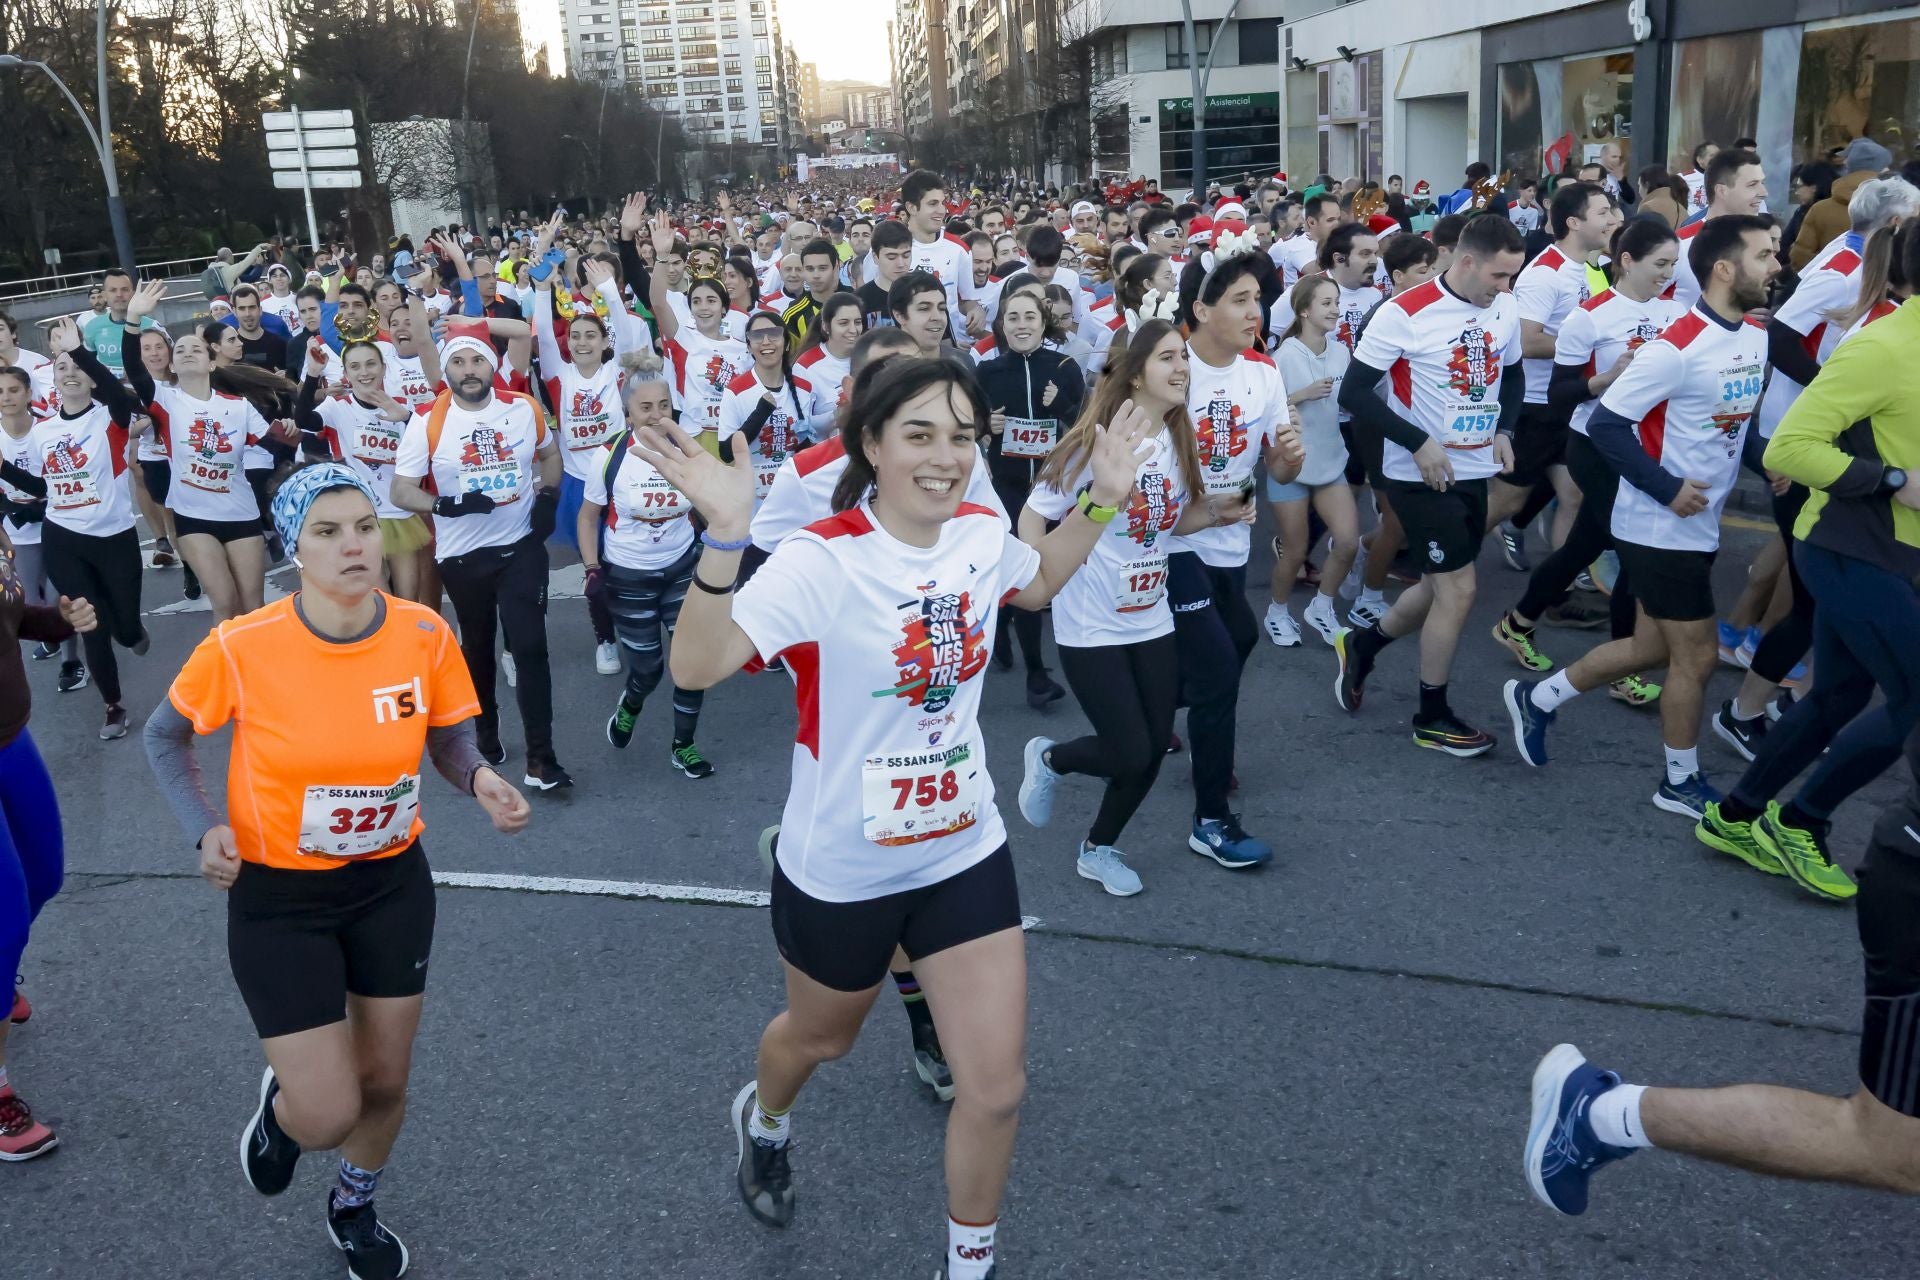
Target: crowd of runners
{"type": "Point", "coordinates": [870, 438]}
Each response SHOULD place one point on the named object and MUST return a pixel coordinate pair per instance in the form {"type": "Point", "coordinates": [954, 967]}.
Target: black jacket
{"type": "Point", "coordinates": [1014, 384]}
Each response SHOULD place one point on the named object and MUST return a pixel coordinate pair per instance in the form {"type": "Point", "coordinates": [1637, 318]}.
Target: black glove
{"type": "Point", "coordinates": [467, 504]}
{"type": "Point", "coordinates": [25, 514]}
{"type": "Point", "coordinates": [546, 505]}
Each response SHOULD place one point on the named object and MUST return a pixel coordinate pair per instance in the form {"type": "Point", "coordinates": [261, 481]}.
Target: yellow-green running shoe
{"type": "Point", "coordinates": [1803, 854]}
{"type": "Point", "coordinates": [1520, 644]}
{"type": "Point", "coordinates": [1635, 691]}
{"type": "Point", "coordinates": [1736, 838]}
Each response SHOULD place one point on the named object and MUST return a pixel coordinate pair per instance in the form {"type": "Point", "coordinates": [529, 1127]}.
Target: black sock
{"type": "Point", "coordinates": [1792, 815]}
{"type": "Point", "coordinates": [918, 1015]}
{"type": "Point", "coordinates": [1370, 640]}
{"type": "Point", "coordinates": [1433, 701]}
{"type": "Point", "coordinates": [1514, 624]}
{"type": "Point", "coordinates": [685, 721]}
{"type": "Point", "coordinates": [1734, 809]}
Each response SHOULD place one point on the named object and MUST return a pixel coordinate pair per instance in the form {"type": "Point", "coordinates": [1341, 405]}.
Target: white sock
{"type": "Point", "coordinates": [1682, 763]}
{"type": "Point", "coordinates": [1278, 610]}
{"type": "Point", "coordinates": [1554, 690]}
{"type": "Point", "coordinates": [770, 1128]}
{"type": "Point", "coordinates": [1740, 713]}
{"type": "Point", "coordinates": [1373, 595]}
{"type": "Point", "coordinates": [1615, 1117]}
{"type": "Point", "coordinates": [969, 1250]}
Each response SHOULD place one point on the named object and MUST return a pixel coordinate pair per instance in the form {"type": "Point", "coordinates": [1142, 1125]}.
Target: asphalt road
{"type": "Point", "coordinates": [1317, 1070]}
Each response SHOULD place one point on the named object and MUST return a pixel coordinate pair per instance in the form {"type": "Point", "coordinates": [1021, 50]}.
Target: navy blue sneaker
{"type": "Point", "coordinates": [1530, 723]}
{"type": "Point", "coordinates": [1223, 840]}
{"type": "Point", "coordinates": [1562, 1151]}
{"type": "Point", "coordinates": [1689, 798]}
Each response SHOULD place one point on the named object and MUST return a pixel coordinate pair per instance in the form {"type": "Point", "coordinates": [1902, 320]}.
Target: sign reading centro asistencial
{"type": "Point", "coordinates": [1226, 102]}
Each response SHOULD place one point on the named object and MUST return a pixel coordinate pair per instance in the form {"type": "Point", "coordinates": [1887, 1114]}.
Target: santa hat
{"type": "Point", "coordinates": [1231, 210]}
{"type": "Point", "coordinates": [1423, 188]}
{"type": "Point", "coordinates": [466, 341]}
{"type": "Point", "coordinates": [1231, 239]}
{"type": "Point", "coordinates": [1200, 230]}
{"type": "Point", "coordinates": [1381, 223]}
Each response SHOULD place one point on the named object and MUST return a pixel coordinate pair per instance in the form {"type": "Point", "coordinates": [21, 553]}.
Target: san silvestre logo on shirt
{"type": "Point", "coordinates": [939, 649]}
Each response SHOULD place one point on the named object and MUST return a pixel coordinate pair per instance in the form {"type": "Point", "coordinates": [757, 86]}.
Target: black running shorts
{"type": "Point", "coordinates": [301, 941]}
{"type": "Point", "coordinates": [1445, 527]}
{"type": "Point", "coordinates": [158, 478]}
{"type": "Point", "coordinates": [224, 530]}
{"type": "Point", "coordinates": [1674, 586]}
{"type": "Point", "coordinates": [1888, 911]}
{"type": "Point", "coordinates": [1539, 442]}
{"type": "Point", "coordinates": [846, 945]}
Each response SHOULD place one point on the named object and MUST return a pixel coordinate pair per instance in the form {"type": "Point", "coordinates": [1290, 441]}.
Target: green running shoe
{"type": "Point", "coordinates": [689, 761]}
{"type": "Point", "coordinates": [1635, 691]}
{"type": "Point", "coordinates": [620, 724]}
{"type": "Point", "coordinates": [1520, 644]}
{"type": "Point", "coordinates": [1736, 838]}
{"type": "Point", "coordinates": [1803, 854]}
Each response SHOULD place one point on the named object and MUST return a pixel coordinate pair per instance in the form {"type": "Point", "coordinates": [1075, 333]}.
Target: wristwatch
{"type": "Point", "coordinates": [1892, 480]}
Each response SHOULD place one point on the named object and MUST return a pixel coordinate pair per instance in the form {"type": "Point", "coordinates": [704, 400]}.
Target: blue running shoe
{"type": "Point", "coordinates": [1223, 840]}
{"type": "Point", "coordinates": [1689, 798]}
{"type": "Point", "coordinates": [1037, 783]}
{"type": "Point", "coordinates": [1730, 638]}
{"type": "Point", "coordinates": [1562, 1151]}
{"type": "Point", "coordinates": [1530, 723]}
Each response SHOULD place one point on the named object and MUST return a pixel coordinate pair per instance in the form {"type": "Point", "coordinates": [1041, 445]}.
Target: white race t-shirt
{"type": "Point", "coordinates": [407, 378]}
{"type": "Point", "coordinates": [287, 308]}
{"type": "Point", "coordinates": [1236, 411]}
{"type": "Point", "coordinates": [490, 451]}
{"type": "Point", "coordinates": [588, 413]}
{"type": "Point", "coordinates": [1548, 290]}
{"type": "Point", "coordinates": [1602, 329]}
{"type": "Point", "coordinates": [702, 367]}
{"type": "Point", "coordinates": [21, 454]}
{"type": "Point", "coordinates": [778, 438]}
{"type": "Point", "coordinates": [1293, 256]}
{"type": "Point", "coordinates": [821, 377]}
{"type": "Point", "coordinates": [803, 488]}
{"type": "Point", "coordinates": [206, 441]}
{"type": "Point", "coordinates": [366, 440]}
{"type": "Point", "coordinates": [1830, 283]}
{"type": "Point", "coordinates": [887, 645]}
{"type": "Point", "coordinates": [649, 522]}
{"type": "Point", "coordinates": [84, 462]}
{"type": "Point", "coordinates": [39, 371]}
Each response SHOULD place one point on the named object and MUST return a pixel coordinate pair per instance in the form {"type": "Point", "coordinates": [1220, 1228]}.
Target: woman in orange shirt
{"type": "Point", "coordinates": [330, 904]}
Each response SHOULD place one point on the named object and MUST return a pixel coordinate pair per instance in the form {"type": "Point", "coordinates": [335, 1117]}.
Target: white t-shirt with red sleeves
{"type": "Point", "coordinates": [21, 454]}
{"type": "Point", "coordinates": [84, 462]}
{"type": "Point", "coordinates": [1236, 412]}
{"type": "Point", "coordinates": [803, 488]}
{"type": "Point", "coordinates": [1119, 596]}
{"type": "Point", "coordinates": [779, 437]}
{"type": "Point", "coordinates": [701, 367]}
{"type": "Point", "coordinates": [488, 451]}
{"type": "Point", "coordinates": [1830, 283]}
{"type": "Point", "coordinates": [1444, 358]}
{"type": "Point", "coordinates": [1294, 255]}
{"type": "Point", "coordinates": [1879, 311]}
{"type": "Point", "coordinates": [951, 262]}
{"type": "Point", "coordinates": [1547, 292]}
{"type": "Point", "coordinates": [206, 441]}
{"type": "Point", "coordinates": [887, 645]}
{"type": "Point", "coordinates": [588, 414]}
{"type": "Point", "coordinates": [406, 379]}
{"type": "Point", "coordinates": [649, 523]}
{"type": "Point", "coordinates": [821, 378]}
{"type": "Point", "coordinates": [1685, 289]}
{"type": "Point", "coordinates": [366, 440]}
{"type": "Point", "coordinates": [1691, 390]}
{"type": "Point", "coordinates": [39, 371]}
{"type": "Point", "coordinates": [1602, 329]}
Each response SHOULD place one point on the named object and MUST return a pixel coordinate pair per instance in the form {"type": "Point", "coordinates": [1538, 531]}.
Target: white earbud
{"type": "Point", "coordinates": [296, 562]}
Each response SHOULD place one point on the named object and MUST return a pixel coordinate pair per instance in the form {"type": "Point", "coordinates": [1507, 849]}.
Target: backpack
{"type": "Point", "coordinates": [437, 423]}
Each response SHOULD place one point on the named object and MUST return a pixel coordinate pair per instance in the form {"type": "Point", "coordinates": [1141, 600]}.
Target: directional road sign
{"type": "Point", "coordinates": [306, 119]}
{"type": "Point", "coordinates": [323, 178]}
{"type": "Point", "coordinates": [290, 140]}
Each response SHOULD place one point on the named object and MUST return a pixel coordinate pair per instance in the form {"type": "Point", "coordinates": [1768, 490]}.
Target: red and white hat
{"type": "Point", "coordinates": [1230, 210]}
{"type": "Point", "coordinates": [1200, 230]}
{"type": "Point", "coordinates": [1423, 188]}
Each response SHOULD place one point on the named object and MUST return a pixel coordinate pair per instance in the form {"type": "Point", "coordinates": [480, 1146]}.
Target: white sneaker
{"type": "Point", "coordinates": [1366, 613]}
{"type": "Point", "coordinates": [1281, 628]}
{"type": "Point", "coordinates": [606, 658]}
{"type": "Point", "coordinates": [511, 672]}
{"type": "Point", "coordinates": [1323, 617]}
{"type": "Point", "coordinates": [1037, 784]}
{"type": "Point", "coordinates": [1102, 862]}
{"type": "Point", "coordinates": [1350, 586]}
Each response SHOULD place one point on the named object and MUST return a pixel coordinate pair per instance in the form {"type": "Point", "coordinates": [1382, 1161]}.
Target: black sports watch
{"type": "Point", "coordinates": [1892, 480]}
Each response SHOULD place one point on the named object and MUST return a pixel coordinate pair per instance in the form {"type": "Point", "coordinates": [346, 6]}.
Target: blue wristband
{"type": "Point", "coordinates": [706, 536]}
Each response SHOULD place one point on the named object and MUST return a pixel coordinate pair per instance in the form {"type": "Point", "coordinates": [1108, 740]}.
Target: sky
{"type": "Point", "coordinates": [845, 39]}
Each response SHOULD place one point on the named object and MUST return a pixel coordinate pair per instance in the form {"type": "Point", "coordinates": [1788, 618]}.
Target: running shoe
{"type": "Point", "coordinates": [1102, 862]}
{"type": "Point", "coordinates": [620, 725]}
{"type": "Point", "coordinates": [1744, 736]}
{"type": "Point", "coordinates": [1803, 855]}
{"type": "Point", "coordinates": [1730, 638]}
{"type": "Point", "coordinates": [689, 761]}
{"type": "Point", "coordinates": [1520, 644]}
{"type": "Point", "coordinates": [22, 1011]}
{"type": "Point", "coordinates": [163, 557]}
{"type": "Point", "coordinates": [762, 1171]}
{"type": "Point", "coordinates": [1562, 1152]}
{"type": "Point", "coordinates": [1037, 783]}
{"type": "Point", "coordinates": [1350, 683]}
{"type": "Point", "coordinates": [1323, 617]}
{"type": "Point", "coordinates": [21, 1136]}
{"type": "Point", "coordinates": [1737, 838]}
{"type": "Point", "coordinates": [1530, 723]}
{"type": "Point", "coordinates": [1635, 691]}
{"type": "Point", "coordinates": [1042, 689]}
{"type": "Point", "coordinates": [1451, 734]}
{"type": "Point", "coordinates": [487, 742]}
{"type": "Point", "coordinates": [373, 1252]}
{"type": "Point", "coordinates": [73, 675]}
{"type": "Point", "coordinates": [1781, 703]}
{"type": "Point", "coordinates": [1743, 656]}
{"type": "Point", "coordinates": [115, 726]}
{"type": "Point", "coordinates": [1227, 843]}
{"type": "Point", "coordinates": [1366, 613]}
{"type": "Point", "coordinates": [1351, 584]}
{"type": "Point", "coordinates": [930, 1063]}
{"type": "Point", "coordinates": [606, 658]}
{"type": "Point", "coordinates": [1576, 613]}
{"type": "Point", "coordinates": [267, 1155]}
{"type": "Point", "coordinates": [1604, 572]}
{"type": "Point", "coordinates": [1281, 628]}
{"type": "Point", "coordinates": [189, 582]}
{"type": "Point", "coordinates": [547, 775]}
{"type": "Point", "coordinates": [1689, 799]}
{"type": "Point", "coordinates": [1583, 581]}
{"type": "Point", "coordinates": [510, 671]}
{"type": "Point", "coordinates": [1513, 547]}
{"type": "Point", "coordinates": [1796, 678]}
{"type": "Point", "coordinates": [44, 650]}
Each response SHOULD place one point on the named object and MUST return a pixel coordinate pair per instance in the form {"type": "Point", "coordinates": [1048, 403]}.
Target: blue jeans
{"type": "Point", "coordinates": [32, 861]}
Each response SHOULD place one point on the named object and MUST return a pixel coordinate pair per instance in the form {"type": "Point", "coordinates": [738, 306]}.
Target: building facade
{"type": "Point", "coordinates": [920, 62]}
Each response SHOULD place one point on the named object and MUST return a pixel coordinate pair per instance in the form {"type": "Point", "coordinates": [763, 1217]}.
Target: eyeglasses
{"type": "Point", "coordinates": [1168, 231]}
{"type": "Point", "coordinates": [766, 335]}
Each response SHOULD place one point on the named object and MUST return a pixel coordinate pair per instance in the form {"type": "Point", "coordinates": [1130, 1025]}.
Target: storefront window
{"type": "Point", "coordinates": [1303, 127]}
{"type": "Point", "coordinates": [1716, 93]}
{"type": "Point", "coordinates": [1243, 136]}
{"type": "Point", "coordinates": [1858, 81]}
{"type": "Point", "coordinates": [1558, 114]}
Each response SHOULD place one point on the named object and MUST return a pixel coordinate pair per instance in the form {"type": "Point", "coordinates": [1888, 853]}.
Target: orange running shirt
{"type": "Point", "coordinates": [328, 739]}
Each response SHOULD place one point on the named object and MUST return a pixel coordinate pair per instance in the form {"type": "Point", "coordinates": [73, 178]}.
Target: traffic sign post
{"type": "Point", "coordinates": [308, 149]}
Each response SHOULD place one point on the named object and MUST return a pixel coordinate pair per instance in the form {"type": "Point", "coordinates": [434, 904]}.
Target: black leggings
{"type": "Point", "coordinates": [1216, 633]}
{"type": "Point", "coordinates": [644, 605]}
{"type": "Point", "coordinates": [1128, 692]}
{"type": "Point", "coordinates": [510, 583]}
{"type": "Point", "coordinates": [1592, 533]}
{"type": "Point", "coordinates": [1788, 640]}
{"type": "Point", "coordinates": [105, 571]}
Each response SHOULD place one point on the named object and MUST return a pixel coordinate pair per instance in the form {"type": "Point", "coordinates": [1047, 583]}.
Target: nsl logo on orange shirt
{"type": "Point", "coordinates": [397, 702]}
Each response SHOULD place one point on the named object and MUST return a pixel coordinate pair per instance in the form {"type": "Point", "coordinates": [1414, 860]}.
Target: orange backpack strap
{"type": "Point", "coordinates": [436, 423]}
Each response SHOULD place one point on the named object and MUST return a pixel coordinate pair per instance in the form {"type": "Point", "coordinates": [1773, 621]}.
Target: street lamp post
{"type": "Point", "coordinates": [102, 140]}
{"type": "Point", "coordinates": [1200, 75]}
{"type": "Point", "coordinates": [468, 201]}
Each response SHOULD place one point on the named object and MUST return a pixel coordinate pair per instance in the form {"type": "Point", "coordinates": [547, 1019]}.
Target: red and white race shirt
{"type": "Point", "coordinates": [1119, 596]}
{"type": "Point", "coordinates": [407, 379]}
{"type": "Point", "coordinates": [1691, 390]}
{"type": "Point", "coordinates": [84, 462]}
{"type": "Point", "coordinates": [366, 440]}
{"type": "Point", "coordinates": [1236, 411]}
{"type": "Point", "coordinates": [287, 308]}
{"type": "Point", "coordinates": [778, 438]}
{"type": "Point", "coordinates": [1879, 311]}
{"type": "Point", "coordinates": [1685, 289]}
{"type": "Point", "coordinates": [803, 487]}
{"type": "Point", "coordinates": [702, 368]}
{"type": "Point", "coordinates": [1548, 290]}
{"type": "Point", "coordinates": [1354, 306]}
{"type": "Point", "coordinates": [1295, 255]}
{"type": "Point", "coordinates": [733, 324]}
{"type": "Point", "coordinates": [206, 441]}
{"type": "Point", "coordinates": [1444, 358]}
{"type": "Point", "coordinates": [1831, 283]}
{"type": "Point", "coordinates": [821, 378]}
{"type": "Point", "coordinates": [21, 454]}
{"type": "Point", "coordinates": [39, 371]}
{"type": "Point", "coordinates": [1602, 329]}
{"type": "Point", "coordinates": [951, 262]}
{"type": "Point", "coordinates": [490, 451]}
{"type": "Point", "coordinates": [649, 522]}
{"type": "Point", "coordinates": [588, 414]}
{"type": "Point", "coordinates": [887, 645]}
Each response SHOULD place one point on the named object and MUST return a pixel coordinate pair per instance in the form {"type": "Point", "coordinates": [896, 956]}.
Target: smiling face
{"type": "Point", "coordinates": [339, 548]}
{"type": "Point", "coordinates": [926, 319]}
{"type": "Point", "coordinates": [75, 387]}
{"type": "Point", "coordinates": [15, 394]}
{"type": "Point", "coordinates": [1163, 378]}
{"type": "Point", "coordinates": [843, 331]}
{"type": "Point", "coordinates": [1023, 323]}
{"type": "Point", "coordinates": [366, 370]}
{"type": "Point", "coordinates": [649, 404]}
{"type": "Point", "coordinates": [156, 356]}
{"type": "Point", "coordinates": [923, 457]}
{"type": "Point", "coordinates": [587, 340]}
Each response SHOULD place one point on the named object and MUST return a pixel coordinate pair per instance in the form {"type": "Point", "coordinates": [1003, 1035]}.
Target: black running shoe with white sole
{"type": "Point", "coordinates": [267, 1155]}
{"type": "Point", "coordinates": [762, 1172]}
{"type": "Point", "coordinates": [930, 1063]}
{"type": "Point", "coordinates": [547, 775]}
{"type": "Point", "coordinates": [1744, 736]}
{"type": "Point", "coordinates": [373, 1252]}
{"type": "Point", "coordinates": [73, 675]}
